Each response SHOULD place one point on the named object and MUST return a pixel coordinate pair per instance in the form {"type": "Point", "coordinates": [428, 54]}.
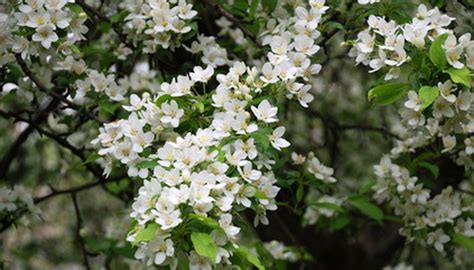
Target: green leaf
{"type": "Point", "coordinates": [261, 140]}
{"type": "Point", "coordinates": [462, 75]}
{"type": "Point", "coordinates": [339, 222]}
{"type": "Point", "coordinates": [199, 106]}
{"type": "Point", "coordinates": [91, 158]}
{"type": "Point", "coordinates": [119, 16]}
{"type": "Point", "coordinates": [260, 195]}
{"type": "Point", "coordinates": [431, 167]}
{"type": "Point", "coordinates": [388, 93]}
{"type": "Point", "coordinates": [367, 208]}
{"type": "Point", "coordinates": [117, 187]}
{"type": "Point", "coordinates": [465, 241]}
{"type": "Point", "coordinates": [162, 99]}
{"type": "Point", "coordinates": [204, 245]}
{"type": "Point", "coordinates": [299, 193]}
{"type": "Point", "coordinates": [147, 164]}
{"type": "Point", "coordinates": [437, 53]}
{"type": "Point", "coordinates": [428, 95]}
{"type": "Point", "coordinates": [75, 49]}
{"type": "Point", "coordinates": [252, 258]}
{"type": "Point", "coordinates": [327, 205]}
{"type": "Point", "coordinates": [269, 5]}
{"type": "Point", "coordinates": [100, 245]}
{"type": "Point", "coordinates": [147, 234]}
{"type": "Point", "coordinates": [253, 8]}
{"type": "Point", "coordinates": [367, 186]}
{"type": "Point", "coordinates": [209, 222]}
{"type": "Point", "coordinates": [108, 106]}
{"type": "Point", "coordinates": [333, 25]}
{"type": "Point", "coordinates": [126, 251]}
{"type": "Point", "coordinates": [75, 8]}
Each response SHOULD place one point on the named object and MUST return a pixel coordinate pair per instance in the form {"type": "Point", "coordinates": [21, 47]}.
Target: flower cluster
{"type": "Point", "coordinates": [212, 54]}
{"type": "Point", "coordinates": [279, 251]}
{"type": "Point", "coordinates": [158, 22]}
{"type": "Point", "coordinates": [440, 114]}
{"type": "Point", "coordinates": [222, 163]}
{"type": "Point", "coordinates": [292, 43]}
{"type": "Point", "coordinates": [316, 208]}
{"type": "Point", "coordinates": [37, 25]}
{"type": "Point", "coordinates": [215, 169]}
{"type": "Point", "coordinates": [385, 43]}
{"type": "Point", "coordinates": [49, 17]}
{"type": "Point", "coordinates": [436, 218]}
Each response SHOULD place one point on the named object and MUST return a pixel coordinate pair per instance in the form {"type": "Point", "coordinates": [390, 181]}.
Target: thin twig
{"type": "Point", "coordinates": [465, 191]}
{"type": "Point", "coordinates": [53, 94]}
{"type": "Point", "coordinates": [369, 128]}
{"type": "Point", "coordinates": [78, 231]}
{"type": "Point", "coordinates": [102, 17]}
{"type": "Point", "coordinates": [234, 20]}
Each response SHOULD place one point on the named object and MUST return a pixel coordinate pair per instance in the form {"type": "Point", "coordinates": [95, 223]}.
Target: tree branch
{"type": "Point", "coordinates": [13, 150]}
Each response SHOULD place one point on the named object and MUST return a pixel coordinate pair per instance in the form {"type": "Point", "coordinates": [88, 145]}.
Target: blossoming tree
{"type": "Point", "coordinates": [178, 134]}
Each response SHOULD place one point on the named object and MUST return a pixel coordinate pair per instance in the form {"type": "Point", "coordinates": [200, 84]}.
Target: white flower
{"type": "Point", "coordinates": [304, 97]}
{"type": "Point", "coordinates": [171, 113]}
{"type": "Point", "coordinates": [464, 226]}
{"type": "Point", "coordinates": [446, 89]}
{"type": "Point", "coordinates": [168, 220]}
{"type": "Point", "coordinates": [248, 173]}
{"type": "Point", "coordinates": [438, 238]}
{"type": "Point", "coordinates": [469, 142]}
{"type": "Point", "coordinates": [416, 32]}
{"type": "Point", "coordinates": [276, 138]}
{"type": "Point", "coordinates": [413, 118]}
{"type": "Point", "coordinates": [280, 44]}
{"type": "Point", "coordinates": [464, 101]}
{"type": "Point", "coordinates": [197, 262]}
{"type": "Point", "coordinates": [453, 52]}
{"type": "Point", "coordinates": [186, 11]}
{"type": "Point", "coordinates": [413, 102]}
{"type": "Point", "coordinates": [419, 194]}
{"type": "Point", "coordinates": [405, 183]}
{"type": "Point", "coordinates": [441, 108]}
{"type": "Point", "coordinates": [159, 248]}
{"type": "Point", "coordinates": [270, 74]}
{"type": "Point", "coordinates": [225, 222]}
{"type": "Point", "coordinates": [265, 112]}
{"type": "Point", "coordinates": [305, 45]}
{"type": "Point", "coordinates": [46, 35]}
{"type": "Point", "coordinates": [248, 147]}
{"type": "Point", "coordinates": [37, 19]}
{"type": "Point", "coordinates": [202, 75]}
{"type": "Point", "coordinates": [320, 171]}
{"type": "Point", "coordinates": [297, 158]}
{"type": "Point", "coordinates": [449, 142]}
